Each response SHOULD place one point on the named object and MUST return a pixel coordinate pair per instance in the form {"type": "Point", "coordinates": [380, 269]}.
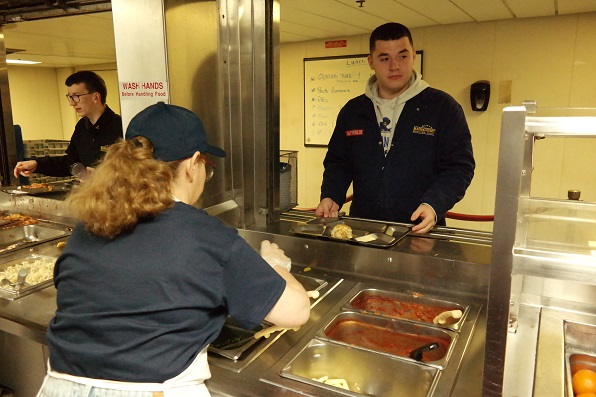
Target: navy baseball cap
{"type": "Point", "coordinates": [175, 132]}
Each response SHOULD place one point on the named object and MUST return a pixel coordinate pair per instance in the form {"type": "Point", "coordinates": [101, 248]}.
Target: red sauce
{"type": "Point", "coordinates": [385, 340]}
{"type": "Point", "coordinates": [393, 308]}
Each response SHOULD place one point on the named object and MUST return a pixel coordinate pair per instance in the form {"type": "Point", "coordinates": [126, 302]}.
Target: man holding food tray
{"type": "Point", "coordinates": [98, 128]}
{"type": "Point", "coordinates": [405, 146]}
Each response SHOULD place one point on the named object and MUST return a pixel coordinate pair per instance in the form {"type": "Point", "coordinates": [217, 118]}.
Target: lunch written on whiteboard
{"type": "Point", "coordinates": [329, 83]}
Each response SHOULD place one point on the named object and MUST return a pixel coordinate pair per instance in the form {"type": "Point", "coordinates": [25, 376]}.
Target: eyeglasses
{"type": "Point", "coordinates": [209, 167]}
{"type": "Point", "coordinates": [76, 98]}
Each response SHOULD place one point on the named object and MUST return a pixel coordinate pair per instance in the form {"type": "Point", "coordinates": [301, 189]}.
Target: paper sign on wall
{"type": "Point", "coordinates": [144, 90]}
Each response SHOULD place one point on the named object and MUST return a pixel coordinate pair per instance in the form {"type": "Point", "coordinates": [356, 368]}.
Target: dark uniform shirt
{"type": "Point", "coordinates": [140, 307]}
{"type": "Point", "coordinates": [87, 145]}
{"type": "Point", "coordinates": [430, 160]}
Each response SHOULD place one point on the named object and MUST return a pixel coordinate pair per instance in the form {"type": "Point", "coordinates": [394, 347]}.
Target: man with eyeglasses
{"type": "Point", "coordinates": [98, 128]}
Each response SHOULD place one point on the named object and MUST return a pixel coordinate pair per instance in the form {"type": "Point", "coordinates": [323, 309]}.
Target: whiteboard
{"type": "Point", "coordinates": [328, 84]}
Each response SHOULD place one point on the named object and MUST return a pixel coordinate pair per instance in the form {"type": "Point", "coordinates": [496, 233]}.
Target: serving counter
{"type": "Point", "coordinates": [446, 268]}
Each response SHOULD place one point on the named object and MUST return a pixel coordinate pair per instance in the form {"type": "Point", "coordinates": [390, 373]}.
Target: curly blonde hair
{"type": "Point", "coordinates": [128, 185]}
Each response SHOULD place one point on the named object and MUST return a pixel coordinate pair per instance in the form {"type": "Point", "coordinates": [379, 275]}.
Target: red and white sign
{"type": "Point", "coordinates": [336, 43]}
{"type": "Point", "coordinates": [144, 90]}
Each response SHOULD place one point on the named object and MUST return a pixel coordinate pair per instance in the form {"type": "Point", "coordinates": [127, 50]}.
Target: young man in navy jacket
{"type": "Point", "coordinates": [405, 146]}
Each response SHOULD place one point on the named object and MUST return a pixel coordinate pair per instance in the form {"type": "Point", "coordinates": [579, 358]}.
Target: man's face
{"type": "Point", "coordinates": [393, 62]}
{"type": "Point", "coordinates": [87, 102]}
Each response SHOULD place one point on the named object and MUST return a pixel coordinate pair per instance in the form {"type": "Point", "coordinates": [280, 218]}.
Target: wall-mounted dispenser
{"type": "Point", "coordinates": [479, 95]}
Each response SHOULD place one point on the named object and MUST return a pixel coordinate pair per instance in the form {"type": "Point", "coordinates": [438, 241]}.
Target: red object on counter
{"type": "Point", "coordinates": [405, 310]}
{"type": "Point", "coordinates": [385, 340]}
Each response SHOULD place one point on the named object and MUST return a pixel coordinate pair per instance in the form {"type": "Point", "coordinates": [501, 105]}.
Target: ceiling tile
{"type": "Point", "coordinates": [575, 6]}
{"type": "Point", "coordinates": [440, 11]}
{"type": "Point", "coordinates": [485, 10]}
{"type": "Point", "coordinates": [532, 8]}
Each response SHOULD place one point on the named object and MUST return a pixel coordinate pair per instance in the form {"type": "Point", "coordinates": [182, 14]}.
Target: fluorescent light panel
{"type": "Point", "coordinates": [21, 62]}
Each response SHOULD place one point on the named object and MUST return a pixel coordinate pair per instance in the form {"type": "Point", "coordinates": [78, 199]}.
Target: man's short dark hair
{"type": "Point", "coordinates": [93, 82]}
{"type": "Point", "coordinates": [389, 31]}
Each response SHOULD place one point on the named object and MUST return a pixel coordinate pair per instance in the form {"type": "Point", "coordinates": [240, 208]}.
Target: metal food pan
{"type": "Point", "coordinates": [310, 283]}
{"type": "Point", "coordinates": [389, 337]}
{"type": "Point", "coordinates": [12, 292]}
{"type": "Point", "coordinates": [365, 374]}
{"type": "Point", "coordinates": [16, 237]}
{"type": "Point", "coordinates": [580, 351]}
{"type": "Point", "coordinates": [45, 189]}
{"type": "Point", "coordinates": [417, 308]}
{"type": "Point", "coordinates": [234, 340]}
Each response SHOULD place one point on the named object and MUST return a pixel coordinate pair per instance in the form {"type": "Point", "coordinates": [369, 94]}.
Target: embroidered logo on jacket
{"type": "Point", "coordinates": [424, 130]}
{"type": "Point", "coordinates": [354, 132]}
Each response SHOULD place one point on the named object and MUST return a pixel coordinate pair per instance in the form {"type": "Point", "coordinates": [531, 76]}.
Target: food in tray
{"type": "Point", "coordinates": [385, 339]}
{"type": "Point", "coordinates": [46, 186]}
{"type": "Point", "coordinates": [392, 307]}
{"type": "Point", "coordinates": [13, 220]}
{"type": "Point", "coordinates": [40, 270]}
{"type": "Point", "coordinates": [584, 381]}
{"type": "Point", "coordinates": [341, 231]}
{"type": "Point", "coordinates": [341, 383]}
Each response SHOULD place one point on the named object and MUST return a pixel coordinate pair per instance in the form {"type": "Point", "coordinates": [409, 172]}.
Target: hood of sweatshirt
{"type": "Point", "coordinates": [388, 111]}
{"type": "Point", "coordinates": [417, 85]}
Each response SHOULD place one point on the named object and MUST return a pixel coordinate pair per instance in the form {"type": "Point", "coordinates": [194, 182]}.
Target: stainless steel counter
{"type": "Point", "coordinates": [436, 266]}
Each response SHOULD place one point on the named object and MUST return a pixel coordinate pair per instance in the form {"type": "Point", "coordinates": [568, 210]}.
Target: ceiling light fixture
{"type": "Point", "coordinates": [21, 62]}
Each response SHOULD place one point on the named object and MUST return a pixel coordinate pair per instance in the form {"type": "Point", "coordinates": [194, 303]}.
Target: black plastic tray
{"type": "Point", "coordinates": [372, 234]}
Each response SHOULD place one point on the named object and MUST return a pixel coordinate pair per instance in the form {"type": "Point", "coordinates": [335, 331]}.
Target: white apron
{"type": "Point", "coordinates": [189, 383]}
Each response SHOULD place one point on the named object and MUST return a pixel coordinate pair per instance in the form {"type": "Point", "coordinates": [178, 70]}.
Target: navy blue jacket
{"type": "Point", "coordinates": [430, 160]}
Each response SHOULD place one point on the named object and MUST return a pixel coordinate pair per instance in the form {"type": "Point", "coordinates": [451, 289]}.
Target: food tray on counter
{"type": "Point", "coordinates": [357, 353]}
{"type": "Point", "coordinates": [233, 340]}
{"type": "Point", "coordinates": [390, 337]}
{"type": "Point", "coordinates": [367, 233]}
{"type": "Point", "coordinates": [322, 363]}
{"type": "Point", "coordinates": [40, 189]}
{"type": "Point", "coordinates": [19, 236]}
{"type": "Point", "coordinates": [409, 307]}
{"type": "Point", "coordinates": [580, 351]}
{"type": "Point", "coordinates": [40, 275]}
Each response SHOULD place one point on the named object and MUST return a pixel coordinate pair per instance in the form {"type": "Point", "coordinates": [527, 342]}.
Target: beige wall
{"type": "Point", "coordinates": [34, 97]}
{"type": "Point", "coordinates": [38, 102]}
{"type": "Point", "coordinates": [550, 60]}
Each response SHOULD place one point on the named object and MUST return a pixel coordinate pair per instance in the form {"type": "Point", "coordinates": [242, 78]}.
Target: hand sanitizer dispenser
{"type": "Point", "coordinates": [479, 95]}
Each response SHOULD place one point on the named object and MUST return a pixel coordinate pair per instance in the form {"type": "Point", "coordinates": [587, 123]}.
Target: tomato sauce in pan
{"type": "Point", "coordinates": [390, 307]}
{"type": "Point", "coordinates": [385, 340]}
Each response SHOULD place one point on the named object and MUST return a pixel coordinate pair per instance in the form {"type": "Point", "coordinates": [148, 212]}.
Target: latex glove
{"type": "Point", "coordinates": [274, 255]}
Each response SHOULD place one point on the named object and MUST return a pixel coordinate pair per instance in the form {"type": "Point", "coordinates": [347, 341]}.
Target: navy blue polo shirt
{"type": "Point", "coordinates": [140, 307]}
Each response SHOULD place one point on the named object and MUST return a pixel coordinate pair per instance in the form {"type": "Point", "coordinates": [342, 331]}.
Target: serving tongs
{"type": "Point", "coordinates": [416, 354]}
